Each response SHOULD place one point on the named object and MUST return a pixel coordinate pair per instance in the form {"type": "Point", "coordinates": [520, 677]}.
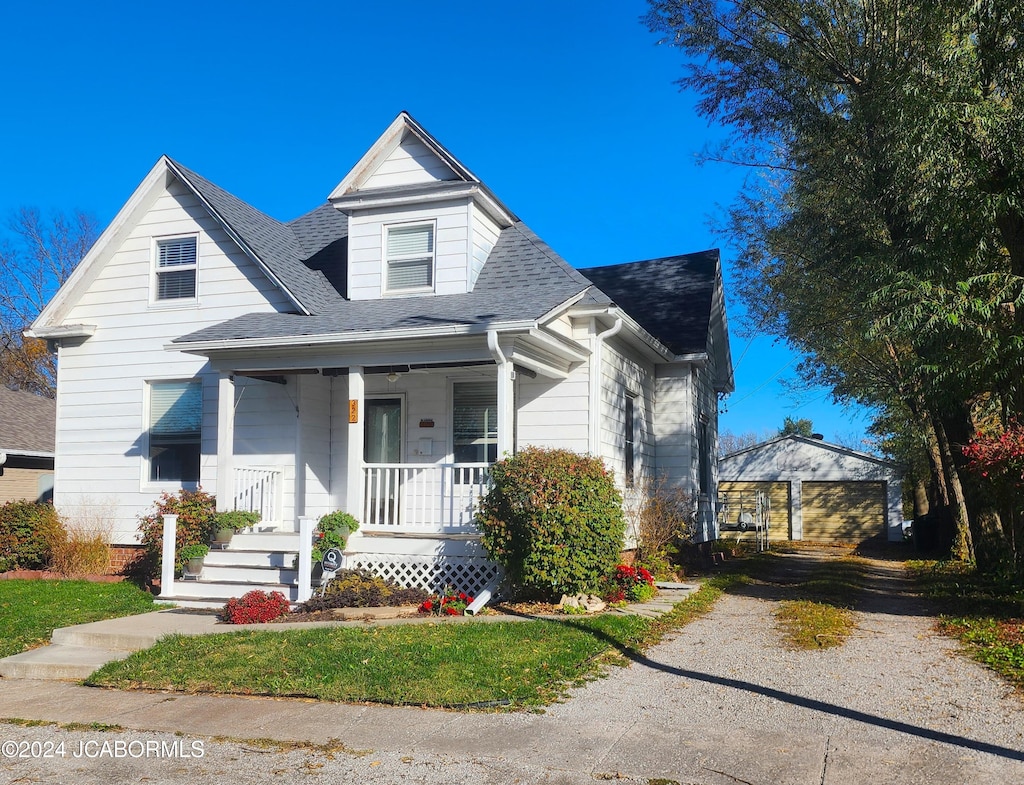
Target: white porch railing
{"type": "Point", "coordinates": [420, 497]}
{"type": "Point", "coordinates": [259, 490]}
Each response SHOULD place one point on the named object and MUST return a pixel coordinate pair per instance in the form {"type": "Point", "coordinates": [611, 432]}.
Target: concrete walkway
{"type": "Point", "coordinates": [721, 703]}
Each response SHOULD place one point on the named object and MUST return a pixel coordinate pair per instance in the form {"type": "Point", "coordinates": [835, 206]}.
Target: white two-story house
{"type": "Point", "coordinates": [375, 355]}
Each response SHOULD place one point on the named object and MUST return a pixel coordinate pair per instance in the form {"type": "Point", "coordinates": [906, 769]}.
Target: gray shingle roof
{"type": "Point", "coordinates": [671, 297]}
{"type": "Point", "coordinates": [522, 279]}
{"type": "Point", "coordinates": [275, 244]}
{"type": "Point", "coordinates": [27, 422]}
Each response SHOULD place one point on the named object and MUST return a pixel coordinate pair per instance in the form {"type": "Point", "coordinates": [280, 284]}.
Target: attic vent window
{"type": "Point", "coordinates": [176, 269]}
{"type": "Point", "coordinates": [410, 258]}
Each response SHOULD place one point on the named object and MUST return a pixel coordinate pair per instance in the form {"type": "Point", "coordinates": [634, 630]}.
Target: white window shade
{"type": "Point", "coordinates": [176, 269]}
{"type": "Point", "coordinates": [175, 431]}
{"type": "Point", "coordinates": [475, 421]}
{"type": "Point", "coordinates": [410, 257]}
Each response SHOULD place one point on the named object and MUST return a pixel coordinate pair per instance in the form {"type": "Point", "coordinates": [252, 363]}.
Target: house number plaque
{"type": "Point", "coordinates": [353, 410]}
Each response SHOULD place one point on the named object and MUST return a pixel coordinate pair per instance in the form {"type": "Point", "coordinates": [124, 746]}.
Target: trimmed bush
{"type": "Point", "coordinates": [255, 607]}
{"type": "Point", "coordinates": [197, 513]}
{"type": "Point", "coordinates": [27, 531]}
{"type": "Point", "coordinates": [553, 519]}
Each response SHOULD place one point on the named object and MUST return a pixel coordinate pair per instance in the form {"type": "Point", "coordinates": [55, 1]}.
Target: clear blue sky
{"type": "Point", "coordinates": [567, 110]}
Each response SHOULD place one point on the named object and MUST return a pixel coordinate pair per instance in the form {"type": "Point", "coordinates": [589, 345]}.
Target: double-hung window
{"type": "Point", "coordinates": [175, 269]}
{"type": "Point", "coordinates": [475, 422]}
{"type": "Point", "coordinates": [409, 257]}
{"type": "Point", "coordinates": [175, 431]}
{"type": "Point", "coordinates": [629, 453]}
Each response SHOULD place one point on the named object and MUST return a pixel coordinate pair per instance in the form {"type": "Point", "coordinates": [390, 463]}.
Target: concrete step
{"type": "Point", "coordinates": [58, 663]}
{"type": "Point", "coordinates": [246, 558]}
{"type": "Point", "coordinates": [235, 573]}
{"type": "Point", "coordinates": [265, 541]}
{"type": "Point", "coordinates": [221, 591]}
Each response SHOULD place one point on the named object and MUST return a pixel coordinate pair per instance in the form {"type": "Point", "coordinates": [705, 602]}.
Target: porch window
{"type": "Point", "coordinates": [475, 422]}
{"type": "Point", "coordinates": [175, 431]}
{"type": "Point", "coordinates": [410, 257]}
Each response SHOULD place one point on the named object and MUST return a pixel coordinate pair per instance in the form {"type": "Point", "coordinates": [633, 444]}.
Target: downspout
{"type": "Point", "coordinates": [506, 439]}
{"type": "Point", "coordinates": [596, 362]}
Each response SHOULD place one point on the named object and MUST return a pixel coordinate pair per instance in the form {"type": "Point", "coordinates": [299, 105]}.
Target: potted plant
{"type": "Point", "coordinates": [332, 531]}
{"type": "Point", "coordinates": [192, 556]}
{"type": "Point", "coordinates": [225, 524]}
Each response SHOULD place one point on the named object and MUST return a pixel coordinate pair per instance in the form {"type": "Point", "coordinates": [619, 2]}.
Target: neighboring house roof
{"type": "Point", "coordinates": [809, 441]}
{"type": "Point", "coordinates": [671, 297]}
{"type": "Point", "coordinates": [27, 423]}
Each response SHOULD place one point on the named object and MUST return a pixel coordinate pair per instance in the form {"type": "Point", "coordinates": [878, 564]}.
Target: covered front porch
{"type": "Point", "coordinates": [402, 440]}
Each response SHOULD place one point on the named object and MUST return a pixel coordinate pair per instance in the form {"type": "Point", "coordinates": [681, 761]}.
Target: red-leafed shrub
{"type": "Point", "coordinates": [450, 603]}
{"type": "Point", "coordinates": [255, 607]}
{"type": "Point", "coordinates": [628, 584]}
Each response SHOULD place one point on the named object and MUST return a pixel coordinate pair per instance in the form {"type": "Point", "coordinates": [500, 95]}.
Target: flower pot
{"type": "Point", "coordinates": [222, 537]}
{"type": "Point", "coordinates": [193, 568]}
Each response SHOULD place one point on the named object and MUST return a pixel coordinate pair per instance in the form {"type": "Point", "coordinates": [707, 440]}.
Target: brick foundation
{"type": "Point", "coordinates": [121, 556]}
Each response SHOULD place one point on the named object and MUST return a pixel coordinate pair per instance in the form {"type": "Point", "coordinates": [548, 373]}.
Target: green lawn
{"type": "Point", "coordinates": [31, 610]}
{"type": "Point", "coordinates": [481, 663]}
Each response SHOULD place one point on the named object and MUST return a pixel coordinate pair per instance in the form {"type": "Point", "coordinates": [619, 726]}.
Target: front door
{"type": "Point", "coordinates": [382, 444]}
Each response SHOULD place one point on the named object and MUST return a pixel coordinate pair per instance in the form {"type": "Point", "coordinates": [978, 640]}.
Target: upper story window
{"type": "Point", "coordinates": [409, 257]}
{"type": "Point", "coordinates": [175, 269]}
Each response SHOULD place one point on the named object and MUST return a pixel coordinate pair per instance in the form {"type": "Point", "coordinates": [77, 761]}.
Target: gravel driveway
{"type": "Point", "coordinates": [721, 702]}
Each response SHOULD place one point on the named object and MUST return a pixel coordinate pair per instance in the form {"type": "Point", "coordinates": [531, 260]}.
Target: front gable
{"type": "Point", "coordinates": [420, 222]}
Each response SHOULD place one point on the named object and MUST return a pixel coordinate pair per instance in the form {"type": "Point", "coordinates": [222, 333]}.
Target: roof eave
{"type": "Point", "coordinates": [398, 333]}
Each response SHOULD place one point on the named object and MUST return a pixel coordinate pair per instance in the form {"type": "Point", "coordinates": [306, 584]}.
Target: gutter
{"type": "Point", "coordinates": [286, 341]}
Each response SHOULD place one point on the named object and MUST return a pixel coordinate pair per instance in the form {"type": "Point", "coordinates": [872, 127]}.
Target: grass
{"type": "Point", "coordinates": [984, 613]}
{"type": "Point", "coordinates": [820, 613]}
{"type": "Point", "coordinates": [475, 664]}
{"type": "Point", "coordinates": [31, 610]}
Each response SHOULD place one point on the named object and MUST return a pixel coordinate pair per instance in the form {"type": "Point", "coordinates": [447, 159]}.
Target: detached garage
{"type": "Point", "coordinates": [830, 493]}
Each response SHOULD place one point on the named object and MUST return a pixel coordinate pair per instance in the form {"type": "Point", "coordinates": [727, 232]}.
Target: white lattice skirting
{"type": "Point", "coordinates": [464, 573]}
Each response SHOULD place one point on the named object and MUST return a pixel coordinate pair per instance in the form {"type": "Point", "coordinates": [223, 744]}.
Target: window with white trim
{"type": "Point", "coordinates": [175, 269]}
{"type": "Point", "coordinates": [175, 431]}
{"type": "Point", "coordinates": [409, 257]}
{"type": "Point", "coordinates": [475, 422]}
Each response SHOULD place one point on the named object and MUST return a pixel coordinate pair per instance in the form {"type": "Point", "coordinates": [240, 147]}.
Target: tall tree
{"type": "Point", "coordinates": [886, 239]}
{"type": "Point", "coordinates": [36, 258]}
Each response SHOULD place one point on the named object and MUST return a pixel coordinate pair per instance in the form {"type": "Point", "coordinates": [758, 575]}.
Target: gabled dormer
{"type": "Point", "coordinates": [420, 223]}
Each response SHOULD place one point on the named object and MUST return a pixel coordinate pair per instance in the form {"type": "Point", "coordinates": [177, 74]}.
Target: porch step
{"type": "Point", "coordinates": [265, 541]}
{"type": "Point", "coordinates": [216, 593]}
{"type": "Point", "coordinates": [233, 557]}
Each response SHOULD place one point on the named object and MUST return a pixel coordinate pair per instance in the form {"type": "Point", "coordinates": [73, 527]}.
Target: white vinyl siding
{"type": "Point", "coordinates": [102, 417]}
{"type": "Point", "coordinates": [410, 257]}
{"type": "Point", "coordinates": [176, 269]}
{"type": "Point", "coordinates": [620, 375]}
{"type": "Point", "coordinates": [410, 163]}
{"type": "Point", "coordinates": [367, 251]}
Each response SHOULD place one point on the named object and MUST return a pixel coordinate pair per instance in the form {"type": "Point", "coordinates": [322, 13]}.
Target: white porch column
{"type": "Point", "coordinates": [225, 442]}
{"type": "Point", "coordinates": [354, 480]}
{"type": "Point", "coordinates": [170, 541]}
{"type": "Point", "coordinates": [305, 575]}
{"type": "Point", "coordinates": [506, 396]}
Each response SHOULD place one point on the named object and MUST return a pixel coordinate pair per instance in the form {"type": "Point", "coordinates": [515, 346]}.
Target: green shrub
{"type": "Point", "coordinates": [27, 531]}
{"type": "Point", "coordinates": [236, 519]}
{"type": "Point", "coordinates": [553, 519]}
{"type": "Point", "coordinates": [332, 531]}
{"type": "Point", "coordinates": [361, 589]}
{"type": "Point", "coordinates": [196, 511]}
